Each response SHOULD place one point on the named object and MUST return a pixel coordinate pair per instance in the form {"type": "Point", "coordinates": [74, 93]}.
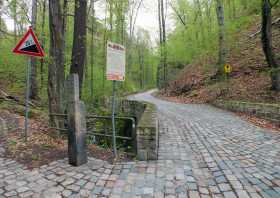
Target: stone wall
{"type": "Point", "coordinates": [146, 126]}
{"type": "Point", "coordinates": [147, 134]}
{"type": "Point", "coordinates": [127, 107]}
{"type": "Point", "coordinates": [269, 112]}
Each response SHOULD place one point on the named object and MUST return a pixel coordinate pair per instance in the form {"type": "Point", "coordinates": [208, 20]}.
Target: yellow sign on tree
{"type": "Point", "coordinates": [227, 68]}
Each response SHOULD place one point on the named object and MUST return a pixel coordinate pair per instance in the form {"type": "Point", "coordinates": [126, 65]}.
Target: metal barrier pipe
{"type": "Point", "coordinates": [118, 137]}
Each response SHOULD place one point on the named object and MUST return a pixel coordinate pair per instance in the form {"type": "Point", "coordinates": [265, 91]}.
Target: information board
{"type": "Point", "coordinates": [115, 62]}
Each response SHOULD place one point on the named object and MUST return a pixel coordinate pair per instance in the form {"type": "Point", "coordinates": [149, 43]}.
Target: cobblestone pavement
{"type": "Point", "coordinates": [204, 152]}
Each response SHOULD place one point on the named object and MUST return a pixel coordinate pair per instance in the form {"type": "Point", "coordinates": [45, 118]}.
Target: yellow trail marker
{"type": "Point", "coordinates": [227, 68]}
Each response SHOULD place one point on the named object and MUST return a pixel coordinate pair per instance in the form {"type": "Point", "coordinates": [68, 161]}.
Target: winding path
{"type": "Point", "coordinates": [204, 152]}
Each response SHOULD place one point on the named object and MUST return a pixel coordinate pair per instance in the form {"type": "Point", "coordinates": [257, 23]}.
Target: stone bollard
{"type": "Point", "coordinates": [76, 113]}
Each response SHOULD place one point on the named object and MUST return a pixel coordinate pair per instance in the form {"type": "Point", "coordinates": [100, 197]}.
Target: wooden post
{"type": "Point", "coordinates": [76, 111]}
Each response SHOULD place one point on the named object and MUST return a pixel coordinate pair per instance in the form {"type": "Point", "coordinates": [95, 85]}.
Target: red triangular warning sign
{"type": "Point", "coordinates": [29, 45]}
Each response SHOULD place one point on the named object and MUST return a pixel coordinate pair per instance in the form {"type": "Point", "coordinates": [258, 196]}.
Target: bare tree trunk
{"type": "Point", "coordinates": [56, 74]}
{"type": "Point", "coordinates": [164, 44]}
{"type": "Point", "coordinates": [267, 44]}
{"type": "Point", "coordinates": [64, 20]}
{"type": "Point", "coordinates": [110, 18]}
{"type": "Point", "coordinates": [1, 4]}
{"type": "Point", "coordinates": [209, 17]}
{"type": "Point", "coordinates": [79, 42]}
{"type": "Point", "coordinates": [123, 32]}
{"type": "Point", "coordinates": [15, 19]}
{"type": "Point", "coordinates": [92, 52]}
{"type": "Point", "coordinates": [160, 43]}
{"type": "Point", "coordinates": [33, 78]}
{"type": "Point", "coordinates": [141, 65]}
{"type": "Point", "coordinates": [43, 41]}
{"type": "Point", "coordinates": [105, 37]}
{"type": "Point", "coordinates": [222, 40]}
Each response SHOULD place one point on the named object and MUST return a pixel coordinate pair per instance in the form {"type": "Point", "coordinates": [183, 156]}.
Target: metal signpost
{"type": "Point", "coordinates": [115, 72]}
{"type": "Point", "coordinates": [113, 118]}
{"type": "Point", "coordinates": [28, 45]}
{"type": "Point", "coordinates": [227, 70]}
{"type": "Point", "coordinates": [27, 99]}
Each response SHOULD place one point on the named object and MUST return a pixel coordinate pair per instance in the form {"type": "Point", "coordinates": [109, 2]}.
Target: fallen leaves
{"type": "Point", "coordinates": [249, 81]}
{"type": "Point", "coordinates": [260, 122]}
{"type": "Point", "coordinates": [43, 145]}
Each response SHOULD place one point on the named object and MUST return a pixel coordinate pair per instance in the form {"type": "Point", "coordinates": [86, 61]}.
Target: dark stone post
{"type": "Point", "coordinates": [77, 152]}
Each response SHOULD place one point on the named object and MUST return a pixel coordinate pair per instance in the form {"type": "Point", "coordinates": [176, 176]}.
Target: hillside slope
{"type": "Point", "coordinates": [249, 81]}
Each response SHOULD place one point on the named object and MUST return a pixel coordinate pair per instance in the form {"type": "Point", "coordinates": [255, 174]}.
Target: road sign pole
{"type": "Point", "coordinates": [27, 99]}
{"type": "Point", "coordinates": [28, 45]}
{"type": "Point", "coordinates": [113, 118]}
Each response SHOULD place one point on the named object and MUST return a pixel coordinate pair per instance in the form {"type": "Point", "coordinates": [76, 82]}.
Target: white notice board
{"type": "Point", "coordinates": [115, 62]}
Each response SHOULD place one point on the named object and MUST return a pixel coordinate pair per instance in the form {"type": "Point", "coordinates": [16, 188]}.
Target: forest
{"type": "Point", "coordinates": [71, 35]}
{"type": "Point", "coordinates": [186, 59]}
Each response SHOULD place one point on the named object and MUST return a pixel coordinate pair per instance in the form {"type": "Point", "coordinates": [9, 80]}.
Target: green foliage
{"type": "Point", "coordinates": [198, 37]}
{"type": "Point", "coordinates": [13, 67]}
{"type": "Point", "coordinates": [12, 142]}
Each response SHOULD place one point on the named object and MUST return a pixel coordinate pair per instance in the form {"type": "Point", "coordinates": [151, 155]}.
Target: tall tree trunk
{"type": "Point", "coordinates": [34, 86]}
{"type": "Point", "coordinates": [222, 40]}
{"type": "Point", "coordinates": [14, 7]}
{"type": "Point", "coordinates": [92, 47]}
{"type": "Point", "coordinates": [105, 38]}
{"type": "Point", "coordinates": [209, 16]}
{"type": "Point", "coordinates": [141, 65]}
{"type": "Point", "coordinates": [64, 20]}
{"type": "Point", "coordinates": [79, 41]}
{"type": "Point", "coordinates": [110, 19]}
{"type": "Point", "coordinates": [43, 41]}
{"type": "Point", "coordinates": [56, 73]}
{"type": "Point", "coordinates": [164, 44]}
{"type": "Point", "coordinates": [1, 4]}
{"type": "Point", "coordinates": [267, 44]}
{"type": "Point", "coordinates": [160, 44]}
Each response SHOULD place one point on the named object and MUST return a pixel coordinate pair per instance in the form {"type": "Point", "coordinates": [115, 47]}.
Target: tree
{"type": "Point", "coordinates": [160, 45]}
{"type": "Point", "coordinates": [79, 40]}
{"type": "Point", "coordinates": [163, 52]}
{"type": "Point", "coordinates": [13, 7]}
{"type": "Point", "coordinates": [209, 16]}
{"type": "Point", "coordinates": [267, 43]}
{"type": "Point", "coordinates": [1, 5]}
{"type": "Point", "coordinates": [43, 39]}
{"type": "Point", "coordinates": [56, 74]}
{"type": "Point", "coordinates": [33, 77]}
{"type": "Point", "coordinates": [93, 31]}
{"type": "Point", "coordinates": [164, 56]}
{"type": "Point", "coordinates": [141, 57]}
{"type": "Point", "coordinates": [222, 40]}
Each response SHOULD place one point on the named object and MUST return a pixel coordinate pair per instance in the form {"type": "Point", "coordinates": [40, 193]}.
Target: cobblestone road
{"type": "Point", "coordinates": [204, 152]}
